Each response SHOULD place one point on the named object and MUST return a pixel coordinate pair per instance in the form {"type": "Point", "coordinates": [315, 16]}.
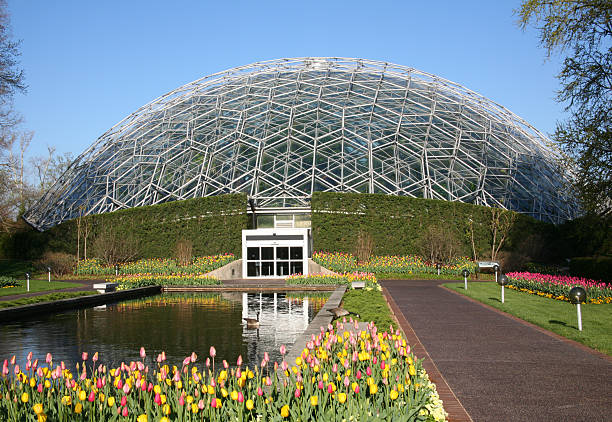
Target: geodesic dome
{"type": "Point", "coordinates": [282, 129]}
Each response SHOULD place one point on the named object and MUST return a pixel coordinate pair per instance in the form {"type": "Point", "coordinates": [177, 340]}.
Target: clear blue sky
{"type": "Point", "coordinates": [90, 64]}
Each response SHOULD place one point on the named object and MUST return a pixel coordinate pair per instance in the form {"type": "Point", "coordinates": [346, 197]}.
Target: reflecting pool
{"type": "Point", "coordinates": [177, 323]}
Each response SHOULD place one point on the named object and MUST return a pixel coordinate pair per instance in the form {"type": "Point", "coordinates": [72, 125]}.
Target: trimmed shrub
{"type": "Point", "coordinates": [596, 268]}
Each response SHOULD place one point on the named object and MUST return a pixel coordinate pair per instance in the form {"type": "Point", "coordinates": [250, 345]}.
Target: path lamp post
{"type": "Point", "coordinates": [28, 281]}
{"type": "Point", "coordinates": [466, 274]}
{"type": "Point", "coordinates": [502, 281]}
{"type": "Point", "coordinates": [438, 267]}
{"type": "Point", "coordinates": [496, 269]}
{"type": "Point", "coordinates": [49, 271]}
{"type": "Point", "coordinates": [578, 295]}
{"type": "Point", "coordinates": [116, 269]}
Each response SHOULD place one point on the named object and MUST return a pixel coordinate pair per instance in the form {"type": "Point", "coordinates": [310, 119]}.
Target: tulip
{"type": "Point", "coordinates": [92, 396]}
{"type": "Point", "coordinates": [297, 393]}
{"type": "Point", "coordinates": [84, 356]}
{"type": "Point", "coordinates": [213, 402]}
{"type": "Point", "coordinates": [48, 359]}
{"type": "Point", "coordinates": [123, 400]}
{"type": "Point", "coordinates": [239, 361]}
{"type": "Point", "coordinates": [225, 364]}
{"type": "Point", "coordinates": [240, 397]}
{"type": "Point", "coordinates": [283, 349]}
{"type": "Point", "coordinates": [181, 400]}
{"type": "Point", "coordinates": [124, 412]}
{"type": "Point", "coordinates": [142, 353]}
{"type": "Point", "coordinates": [285, 411]}
{"type": "Point", "coordinates": [259, 391]}
{"type": "Point", "coordinates": [213, 352]}
{"type": "Point", "coordinates": [157, 399]}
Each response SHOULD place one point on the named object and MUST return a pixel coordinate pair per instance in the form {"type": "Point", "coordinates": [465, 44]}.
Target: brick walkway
{"type": "Point", "coordinates": [499, 368]}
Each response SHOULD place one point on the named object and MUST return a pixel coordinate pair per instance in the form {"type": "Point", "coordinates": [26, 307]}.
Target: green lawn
{"type": "Point", "coordinates": [45, 298]}
{"type": "Point", "coordinates": [370, 305]}
{"type": "Point", "coordinates": [37, 286]}
{"type": "Point", "coordinates": [423, 276]}
{"type": "Point", "coordinates": [553, 315]}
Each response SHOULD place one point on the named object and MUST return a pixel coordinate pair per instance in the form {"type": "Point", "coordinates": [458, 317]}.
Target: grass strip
{"type": "Point", "coordinates": [553, 315]}
{"type": "Point", "coordinates": [37, 286]}
{"type": "Point", "coordinates": [426, 276]}
{"type": "Point", "coordinates": [370, 305]}
{"type": "Point", "coordinates": [51, 297]}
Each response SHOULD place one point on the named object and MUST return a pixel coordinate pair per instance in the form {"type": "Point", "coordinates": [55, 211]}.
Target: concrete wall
{"type": "Point", "coordinates": [231, 271]}
{"type": "Point", "coordinates": [314, 268]}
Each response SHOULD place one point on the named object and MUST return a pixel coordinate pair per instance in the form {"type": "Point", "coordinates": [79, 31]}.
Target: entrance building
{"type": "Point", "coordinates": [275, 252]}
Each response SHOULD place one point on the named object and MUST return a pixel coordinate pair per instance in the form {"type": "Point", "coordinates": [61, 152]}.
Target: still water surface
{"type": "Point", "coordinates": [177, 323]}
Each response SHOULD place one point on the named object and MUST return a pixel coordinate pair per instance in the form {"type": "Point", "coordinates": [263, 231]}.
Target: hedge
{"type": "Point", "coordinates": [213, 224]}
{"type": "Point", "coordinates": [596, 268]}
{"type": "Point", "coordinates": [396, 223]}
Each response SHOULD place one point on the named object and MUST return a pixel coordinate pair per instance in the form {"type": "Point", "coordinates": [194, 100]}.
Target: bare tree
{"type": "Point", "coordinates": [500, 224]}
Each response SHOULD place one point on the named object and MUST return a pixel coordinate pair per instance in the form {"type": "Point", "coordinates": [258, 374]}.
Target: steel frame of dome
{"type": "Point", "coordinates": [282, 129]}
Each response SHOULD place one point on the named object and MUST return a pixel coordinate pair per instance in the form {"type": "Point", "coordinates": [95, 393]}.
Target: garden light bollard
{"type": "Point", "coordinates": [466, 274]}
{"type": "Point", "coordinates": [116, 269]}
{"type": "Point", "coordinates": [28, 281]}
{"type": "Point", "coordinates": [578, 295]}
{"type": "Point", "coordinates": [496, 269]}
{"type": "Point", "coordinates": [49, 271]}
{"type": "Point", "coordinates": [502, 281]}
{"type": "Point", "coordinates": [438, 267]}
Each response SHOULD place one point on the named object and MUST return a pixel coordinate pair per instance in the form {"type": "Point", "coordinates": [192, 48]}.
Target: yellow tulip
{"type": "Point", "coordinates": [47, 383]}
{"type": "Point", "coordinates": [210, 389]}
{"type": "Point", "coordinates": [194, 408]}
{"type": "Point", "coordinates": [142, 418]}
{"type": "Point", "coordinates": [38, 408]}
{"type": "Point", "coordinates": [285, 411]}
{"type": "Point", "coordinates": [25, 397]}
{"type": "Point", "coordinates": [224, 392]}
{"type": "Point", "coordinates": [67, 400]}
{"type": "Point", "coordinates": [314, 400]}
{"type": "Point", "coordinates": [42, 418]}
{"type": "Point", "coordinates": [164, 419]}
{"type": "Point", "coordinates": [189, 399]}
{"type": "Point", "coordinates": [412, 370]}
{"type": "Point", "coordinates": [163, 398]}
{"type": "Point", "coordinates": [341, 397]}
{"type": "Point", "coordinates": [166, 409]}
{"type": "Point", "coordinates": [157, 389]}
{"type": "Point", "coordinates": [373, 388]}
{"type": "Point", "coordinates": [32, 382]}
{"type": "Point", "coordinates": [78, 408]}
{"type": "Point", "coordinates": [234, 395]}
{"type": "Point", "coordinates": [393, 394]}
{"type": "Point", "coordinates": [249, 404]}
{"type": "Point", "coordinates": [110, 401]}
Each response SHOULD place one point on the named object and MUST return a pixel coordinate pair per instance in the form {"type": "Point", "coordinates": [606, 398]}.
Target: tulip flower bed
{"type": "Point", "coordinates": [9, 282]}
{"type": "Point", "coordinates": [346, 278]}
{"type": "Point", "coordinates": [340, 375]}
{"type": "Point", "coordinates": [143, 280]}
{"type": "Point", "coordinates": [558, 287]}
{"type": "Point", "coordinates": [166, 266]}
{"type": "Point", "coordinates": [380, 265]}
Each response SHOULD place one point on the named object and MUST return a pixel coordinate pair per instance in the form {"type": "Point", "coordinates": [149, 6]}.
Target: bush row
{"type": "Point", "coordinates": [213, 225]}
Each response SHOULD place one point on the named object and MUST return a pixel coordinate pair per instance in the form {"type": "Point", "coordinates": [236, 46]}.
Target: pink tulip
{"type": "Point", "coordinates": [297, 393]}
{"type": "Point", "coordinates": [239, 361]}
{"type": "Point", "coordinates": [330, 389]}
{"type": "Point", "coordinates": [368, 371]}
{"type": "Point", "coordinates": [157, 399]}
{"type": "Point", "coordinates": [143, 354]}
{"type": "Point", "coordinates": [259, 391]}
{"type": "Point", "coordinates": [193, 357]}
{"type": "Point", "coordinates": [357, 389]}
{"type": "Point", "coordinates": [120, 384]}
{"type": "Point", "coordinates": [123, 400]}
{"type": "Point", "coordinates": [84, 356]}
{"type": "Point", "coordinates": [320, 385]}
{"type": "Point", "coordinates": [92, 396]}
{"type": "Point", "coordinates": [126, 388]}
{"type": "Point", "coordinates": [124, 412]}
{"type": "Point", "coordinates": [186, 361]}
{"type": "Point", "coordinates": [240, 397]}
{"type": "Point", "coordinates": [213, 402]}
{"type": "Point", "coordinates": [181, 401]}
{"type": "Point", "coordinates": [213, 352]}
{"type": "Point", "coordinates": [208, 362]}
{"type": "Point", "coordinates": [283, 349]}
{"type": "Point", "coordinates": [17, 370]}
{"type": "Point", "coordinates": [201, 404]}
{"type": "Point", "coordinates": [29, 356]}
{"type": "Point", "coordinates": [99, 383]}
{"type": "Point", "coordinates": [48, 359]}
{"type": "Point", "coordinates": [225, 364]}
{"type": "Point", "coordinates": [39, 388]}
